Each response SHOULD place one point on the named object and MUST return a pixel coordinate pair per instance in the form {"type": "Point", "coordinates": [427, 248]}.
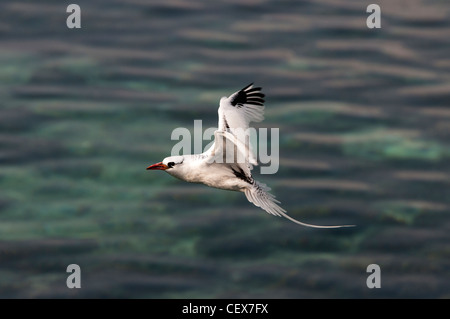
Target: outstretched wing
{"type": "Point", "coordinates": [237, 111]}
{"type": "Point", "coordinates": [241, 108]}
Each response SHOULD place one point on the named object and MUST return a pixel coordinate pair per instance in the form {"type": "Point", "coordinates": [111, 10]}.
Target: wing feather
{"type": "Point", "coordinates": [241, 108]}
{"type": "Point", "coordinates": [237, 111]}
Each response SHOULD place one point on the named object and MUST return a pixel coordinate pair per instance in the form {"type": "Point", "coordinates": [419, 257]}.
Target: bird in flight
{"type": "Point", "coordinates": [227, 164]}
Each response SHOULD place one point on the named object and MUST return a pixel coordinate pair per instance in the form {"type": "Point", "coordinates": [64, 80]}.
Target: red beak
{"type": "Point", "coordinates": [159, 166]}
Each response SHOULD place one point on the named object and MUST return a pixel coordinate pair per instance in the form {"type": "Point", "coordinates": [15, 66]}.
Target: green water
{"type": "Point", "coordinates": [364, 139]}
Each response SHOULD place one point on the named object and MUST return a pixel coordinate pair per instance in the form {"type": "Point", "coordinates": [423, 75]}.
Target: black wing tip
{"type": "Point", "coordinates": [248, 95]}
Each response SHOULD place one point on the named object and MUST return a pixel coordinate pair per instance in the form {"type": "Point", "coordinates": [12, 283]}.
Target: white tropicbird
{"type": "Point", "coordinates": [209, 168]}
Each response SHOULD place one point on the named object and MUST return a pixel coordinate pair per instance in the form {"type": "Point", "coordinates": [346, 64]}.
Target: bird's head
{"type": "Point", "coordinates": [169, 164]}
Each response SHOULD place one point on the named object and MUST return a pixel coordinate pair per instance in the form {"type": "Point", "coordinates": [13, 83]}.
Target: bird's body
{"type": "Point", "coordinates": [227, 164]}
{"type": "Point", "coordinates": [196, 169]}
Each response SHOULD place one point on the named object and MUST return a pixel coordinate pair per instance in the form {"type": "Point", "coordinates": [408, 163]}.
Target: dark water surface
{"type": "Point", "coordinates": [364, 125]}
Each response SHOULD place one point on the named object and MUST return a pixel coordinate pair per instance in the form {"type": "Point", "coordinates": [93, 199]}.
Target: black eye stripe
{"type": "Point", "coordinates": [170, 164]}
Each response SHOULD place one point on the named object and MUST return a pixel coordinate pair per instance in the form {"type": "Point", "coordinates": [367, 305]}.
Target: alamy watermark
{"type": "Point", "coordinates": [74, 279]}
{"type": "Point", "coordinates": [374, 19]}
{"type": "Point", "coordinates": [74, 19]}
{"type": "Point", "coordinates": [374, 279]}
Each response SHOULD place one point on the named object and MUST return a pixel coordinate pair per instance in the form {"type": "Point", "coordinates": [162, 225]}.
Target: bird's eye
{"type": "Point", "coordinates": [170, 164]}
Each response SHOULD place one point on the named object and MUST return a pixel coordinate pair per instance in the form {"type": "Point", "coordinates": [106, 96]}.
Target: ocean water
{"type": "Point", "coordinates": [363, 118]}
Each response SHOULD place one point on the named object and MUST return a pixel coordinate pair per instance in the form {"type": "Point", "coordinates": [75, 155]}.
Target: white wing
{"type": "Point", "coordinates": [241, 108]}
{"type": "Point", "coordinates": [237, 111]}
